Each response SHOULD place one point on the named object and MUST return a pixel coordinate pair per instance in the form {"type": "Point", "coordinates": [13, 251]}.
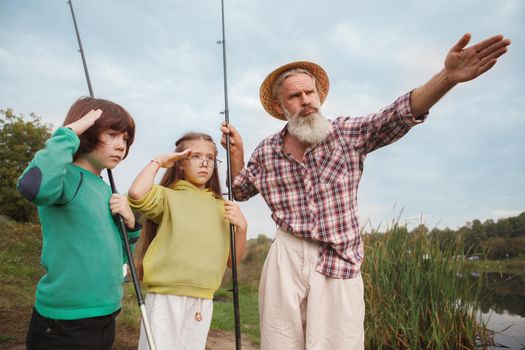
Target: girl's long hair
{"type": "Point", "coordinates": [172, 175]}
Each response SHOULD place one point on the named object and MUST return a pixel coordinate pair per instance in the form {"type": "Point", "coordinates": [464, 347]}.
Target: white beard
{"type": "Point", "coordinates": [310, 129]}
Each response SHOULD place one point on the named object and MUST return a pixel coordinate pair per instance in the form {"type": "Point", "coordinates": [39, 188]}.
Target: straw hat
{"type": "Point", "coordinates": [265, 93]}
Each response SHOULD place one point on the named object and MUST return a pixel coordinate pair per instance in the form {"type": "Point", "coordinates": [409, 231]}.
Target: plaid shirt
{"type": "Point", "coordinates": [317, 199]}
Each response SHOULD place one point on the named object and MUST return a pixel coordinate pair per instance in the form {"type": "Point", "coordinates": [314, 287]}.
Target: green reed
{"type": "Point", "coordinates": [418, 296]}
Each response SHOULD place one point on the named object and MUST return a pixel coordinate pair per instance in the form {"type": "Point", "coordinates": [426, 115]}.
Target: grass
{"type": "Point", "coordinates": [19, 271]}
{"type": "Point", "coordinates": [417, 297]}
{"type": "Point", "coordinates": [128, 321]}
{"type": "Point", "coordinates": [509, 266]}
{"type": "Point", "coordinates": [223, 315]}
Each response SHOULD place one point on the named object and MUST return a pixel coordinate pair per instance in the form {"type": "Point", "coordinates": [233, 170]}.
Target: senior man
{"type": "Point", "coordinates": [311, 290]}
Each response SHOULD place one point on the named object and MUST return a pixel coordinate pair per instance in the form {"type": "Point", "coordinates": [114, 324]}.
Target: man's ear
{"type": "Point", "coordinates": [277, 107]}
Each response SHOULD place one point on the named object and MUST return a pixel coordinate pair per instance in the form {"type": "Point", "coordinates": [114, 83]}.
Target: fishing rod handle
{"type": "Point", "coordinates": [147, 328]}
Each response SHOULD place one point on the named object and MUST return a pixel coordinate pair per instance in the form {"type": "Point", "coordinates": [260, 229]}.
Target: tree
{"type": "Point", "coordinates": [474, 237]}
{"type": "Point", "coordinates": [445, 238]}
{"type": "Point", "coordinates": [504, 228]}
{"type": "Point", "coordinates": [495, 248]}
{"type": "Point", "coordinates": [19, 141]}
{"type": "Point", "coordinates": [518, 225]}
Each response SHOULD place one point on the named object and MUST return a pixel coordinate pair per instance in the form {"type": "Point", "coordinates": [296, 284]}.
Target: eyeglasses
{"type": "Point", "coordinates": [196, 162]}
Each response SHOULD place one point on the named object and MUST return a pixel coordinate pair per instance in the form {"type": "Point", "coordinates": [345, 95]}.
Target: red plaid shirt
{"type": "Point", "coordinates": [317, 199]}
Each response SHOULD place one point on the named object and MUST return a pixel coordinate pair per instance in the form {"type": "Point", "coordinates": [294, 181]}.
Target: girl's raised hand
{"type": "Point", "coordinates": [169, 159]}
{"type": "Point", "coordinates": [144, 181]}
{"type": "Point", "coordinates": [233, 214]}
{"type": "Point", "coordinates": [85, 122]}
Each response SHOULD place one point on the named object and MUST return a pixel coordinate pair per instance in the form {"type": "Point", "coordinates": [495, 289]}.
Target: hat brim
{"type": "Point", "coordinates": [265, 92]}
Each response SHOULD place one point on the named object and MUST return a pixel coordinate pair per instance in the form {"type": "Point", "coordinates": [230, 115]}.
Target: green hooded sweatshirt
{"type": "Point", "coordinates": [82, 250]}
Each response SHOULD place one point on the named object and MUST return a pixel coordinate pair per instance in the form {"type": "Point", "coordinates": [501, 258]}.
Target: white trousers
{"type": "Point", "coordinates": [175, 323]}
{"type": "Point", "coordinates": [300, 308]}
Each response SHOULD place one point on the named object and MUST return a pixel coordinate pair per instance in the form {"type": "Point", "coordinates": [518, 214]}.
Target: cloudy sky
{"type": "Point", "coordinates": [160, 60]}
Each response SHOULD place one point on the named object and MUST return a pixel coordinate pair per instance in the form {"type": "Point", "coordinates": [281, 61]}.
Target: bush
{"type": "Point", "coordinates": [19, 141]}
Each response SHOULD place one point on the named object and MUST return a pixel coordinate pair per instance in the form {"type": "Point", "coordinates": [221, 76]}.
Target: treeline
{"type": "Point", "coordinates": [504, 238]}
{"type": "Point", "coordinates": [501, 239]}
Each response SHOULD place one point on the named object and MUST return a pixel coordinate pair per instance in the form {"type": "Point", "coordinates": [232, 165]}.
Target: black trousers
{"type": "Point", "coordinates": [93, 333]}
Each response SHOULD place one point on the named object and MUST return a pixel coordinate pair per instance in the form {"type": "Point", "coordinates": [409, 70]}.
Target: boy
{"type": "Point", "coordinates": [80, 294]}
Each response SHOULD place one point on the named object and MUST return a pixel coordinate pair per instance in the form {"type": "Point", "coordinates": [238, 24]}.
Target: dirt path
{"type": "Point", "coordinates": [220, 340]}
{"type": "Point", "coordinates": [217, 340]}
{"type": "Point", "coordinates": [14, 321]}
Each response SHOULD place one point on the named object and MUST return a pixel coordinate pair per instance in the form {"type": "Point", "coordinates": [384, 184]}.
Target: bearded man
{"type": "Point", "coordinates": [311, 290]}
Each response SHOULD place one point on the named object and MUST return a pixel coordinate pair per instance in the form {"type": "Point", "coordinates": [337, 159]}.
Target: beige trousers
{"type": "Point", "coordinates": [300, 308]}
{"type": "Point", "coordinates": [177, 322]}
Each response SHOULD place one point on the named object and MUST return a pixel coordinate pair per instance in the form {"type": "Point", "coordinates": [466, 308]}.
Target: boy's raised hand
{"type": "Point", "coordinates": [85, 122]}
{"type": "Point", "coordinates": [169, 159]}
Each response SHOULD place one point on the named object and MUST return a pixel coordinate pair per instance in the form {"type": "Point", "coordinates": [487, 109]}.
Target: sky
{"type": "Point", "coordinates": [161, 61]}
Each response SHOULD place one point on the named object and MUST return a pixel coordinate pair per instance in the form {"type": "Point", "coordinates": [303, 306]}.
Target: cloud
{"type": "Point", "coordinates": [162, 63]}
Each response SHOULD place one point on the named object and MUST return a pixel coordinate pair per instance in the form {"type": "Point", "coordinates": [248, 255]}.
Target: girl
{"type": "Point", "coordinates": [80, 294]}
{"type": "Point", "coordinates": [184, 248]}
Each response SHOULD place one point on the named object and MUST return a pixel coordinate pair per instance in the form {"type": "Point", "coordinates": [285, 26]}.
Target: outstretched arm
{"type": "Point", "coordinates": [461, 64]}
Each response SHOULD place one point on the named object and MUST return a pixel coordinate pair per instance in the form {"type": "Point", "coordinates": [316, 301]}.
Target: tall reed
{"type": "Point", "coordinates": [417, 295]}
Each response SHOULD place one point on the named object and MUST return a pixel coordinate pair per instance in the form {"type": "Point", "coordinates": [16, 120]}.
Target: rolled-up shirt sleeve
{"type": "Point", "coordinates": [382, 128]}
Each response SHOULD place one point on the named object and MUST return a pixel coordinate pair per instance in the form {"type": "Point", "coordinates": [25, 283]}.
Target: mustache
{"type": "Point", "coordinates": [314, 108]}
{"type": "Point", "coordinates": [300, 112]}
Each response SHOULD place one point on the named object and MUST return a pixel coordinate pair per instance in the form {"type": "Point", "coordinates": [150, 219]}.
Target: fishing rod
{"type": "Point", "coordinates": [229, 182]}
{"type": "Point", "coordinates": [120, 220]}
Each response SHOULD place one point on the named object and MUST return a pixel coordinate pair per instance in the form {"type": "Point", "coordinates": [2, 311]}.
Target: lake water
{"type": "Point", "coordinates": [503, 308]}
